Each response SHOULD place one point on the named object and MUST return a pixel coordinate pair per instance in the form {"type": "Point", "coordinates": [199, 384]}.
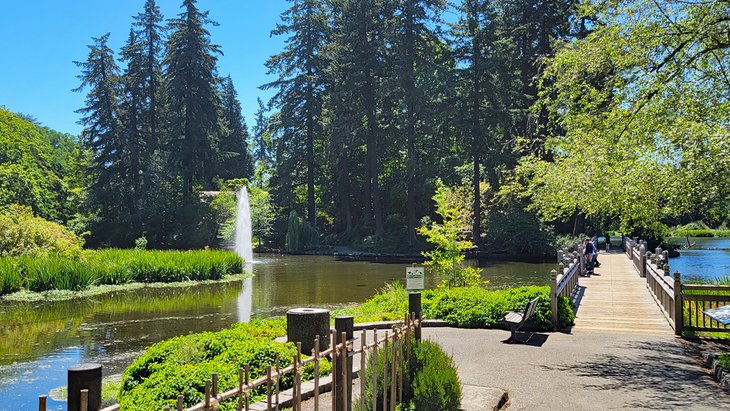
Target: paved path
{"type": "Point", "coordinates": [584, 371]}
{"type": "Point", "coordinates": [615, 299]}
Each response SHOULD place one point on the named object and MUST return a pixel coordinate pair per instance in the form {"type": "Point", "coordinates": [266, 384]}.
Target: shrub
{"type": "Point", "coordinates": [23, 233]}
{"type": "Point", "coordinates": [435, 384]}
{"type": "Point", "coordinates": [140, 243]}
{"type": "Point", "coordinates": [468, 307]}
{"type": "Point", "coordinates": [300, 235]}
{"type": "Point", "coordinates": [430, 383]}
{"type": "Point", "coordinates": [181, 365]}
{"type": "Point", "coordinates": [514, 231]}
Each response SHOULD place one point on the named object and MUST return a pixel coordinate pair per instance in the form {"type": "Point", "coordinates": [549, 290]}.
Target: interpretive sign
{"type": "Point", "coordinates": [414, 278]}
{"type": "Point", "coordinates": [721, 314]}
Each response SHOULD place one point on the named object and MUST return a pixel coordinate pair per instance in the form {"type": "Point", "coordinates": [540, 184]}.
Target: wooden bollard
{"type": "Point", "coordinates": [42, 402]}
{"type": "Point", "coordinates": [84, 400]}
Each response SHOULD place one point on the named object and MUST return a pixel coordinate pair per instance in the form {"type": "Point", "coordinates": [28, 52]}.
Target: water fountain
{"type": "Point", "coordinates": [243, 247]}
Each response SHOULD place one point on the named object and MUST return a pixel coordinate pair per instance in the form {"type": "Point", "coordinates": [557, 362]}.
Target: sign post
{"type": "Point", "coordinates": [414, 278]}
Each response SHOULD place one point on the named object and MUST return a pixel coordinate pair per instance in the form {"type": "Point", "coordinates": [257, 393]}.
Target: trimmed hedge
{"type": "Point", "coordinates": [466, 307]}
{"type": "Point", "coordinates": [181, 365]}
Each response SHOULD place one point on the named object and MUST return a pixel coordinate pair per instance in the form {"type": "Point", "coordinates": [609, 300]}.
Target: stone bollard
{"type": "Point", "coordinates": [304, 324]}
{"type": "Point", "coordinates": [84, 377]}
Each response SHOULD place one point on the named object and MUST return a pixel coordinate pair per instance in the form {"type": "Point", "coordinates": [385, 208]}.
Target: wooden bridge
{"type": "Point", "coordinates": [634, 292]}
{"type": "Point", "coordinates": [615, 299]}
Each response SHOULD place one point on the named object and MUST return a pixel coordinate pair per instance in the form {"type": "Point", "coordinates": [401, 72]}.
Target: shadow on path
{"type": "Point", "coordinates": [665, 375]}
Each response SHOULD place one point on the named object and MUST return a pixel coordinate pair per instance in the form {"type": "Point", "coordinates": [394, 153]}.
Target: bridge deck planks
{"type": "Point", "coordinates": [615, 299]}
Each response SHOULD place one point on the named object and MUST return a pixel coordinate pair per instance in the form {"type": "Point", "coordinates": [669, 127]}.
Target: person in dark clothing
{"type": "Point", "coordinates": [590, 254]}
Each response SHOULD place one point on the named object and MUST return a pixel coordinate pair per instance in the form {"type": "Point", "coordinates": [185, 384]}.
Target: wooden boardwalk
{"type": "Point", "coordinates": [615, 300]}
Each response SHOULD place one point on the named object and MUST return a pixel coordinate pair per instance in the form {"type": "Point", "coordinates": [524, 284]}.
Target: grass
{"type": "Point", "coordinates": [38, 273]}
{"type": "Point", "coordinates": [109, 392]}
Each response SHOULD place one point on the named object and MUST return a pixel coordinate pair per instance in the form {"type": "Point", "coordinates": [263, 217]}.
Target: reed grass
{"type": "Point", "coordinates": [114, 266]}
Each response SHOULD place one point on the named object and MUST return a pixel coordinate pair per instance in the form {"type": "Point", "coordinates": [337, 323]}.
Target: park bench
{"type": "Point", "coordinates": [517, 319]}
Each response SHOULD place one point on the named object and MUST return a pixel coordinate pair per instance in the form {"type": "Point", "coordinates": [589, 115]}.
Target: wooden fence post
{"type": "Point", "coordinates": [554, 296]}
{"type": "Point", "coordinates": [42, 402]}
{"type": "Point", "coordinates": [414, 306]}
{"type": "Point", "coordinates": [180, 402]}
{"type": "Point", "coordinates": [84, 377]}
{"type": "Point", "coordinates": [678, 305]}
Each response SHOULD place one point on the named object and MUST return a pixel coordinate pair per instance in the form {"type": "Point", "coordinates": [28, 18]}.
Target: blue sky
{"type": "Point", "coordinates": [42, 38]}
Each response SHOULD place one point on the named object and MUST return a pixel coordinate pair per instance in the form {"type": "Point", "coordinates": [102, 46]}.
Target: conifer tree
{"type": "Point", "coordinates": [192, 99]}
{"type": "Point", "coordinates": [300, 85]}
{"type": "Point", "coordinates": [235, 158]}
{"type": "Point", "coordinates": [102, 132]}
{"type": "Point", "coordinates": [261, 136]}
{"type": "Point", "coordinates": [149, 32]}
{"type": "Point", "coordinates": [413, 23]}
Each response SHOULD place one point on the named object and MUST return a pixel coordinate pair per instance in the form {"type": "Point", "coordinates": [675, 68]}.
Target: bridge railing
{"type": "Point", "coordinates": [565, 280]}
{"type": "Point", "coordinates": [682, 304]}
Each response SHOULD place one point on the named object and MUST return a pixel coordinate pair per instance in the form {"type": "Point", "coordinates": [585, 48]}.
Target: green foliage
{"type": "Point", "coordinates": [23, 233]}
{"type": "Point", "coordinates": [430, 383]}
{"type": "Point", "coordinates": [446, 258]}
{"type": "Point", "coordinates": [300, 235]}
{"type": "Point", "coordinates": [724, 360]}
{"type": "Point", "coordinates": [114, 266]}
{"type": "Point", "coordinates": [181, 365]}
{"type": "Point", "coordinates": [30, 173]}
{"type": "Point", "coordinates": [513, 231]}
{"type": "Point", "coordinates": [140, 243]}
{"type": "Point", "coordinates": [467, 307]}
{"type": "Point", "coordinates": [475, 307]}
{"type": "Point", "coordinates": [641, 114]}
{"type": "Point", "coordinates": [435, 384]}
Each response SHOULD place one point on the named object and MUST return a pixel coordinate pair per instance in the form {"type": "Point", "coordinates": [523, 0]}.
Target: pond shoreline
{"type": "Point", "coordinates": [96, 290]}
{"type": "Point", "coordinates": [348, 254]}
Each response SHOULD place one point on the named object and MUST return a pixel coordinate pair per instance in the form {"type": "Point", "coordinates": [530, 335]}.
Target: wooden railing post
{"type": "Point", "coordinates": [345, 327]}
{"type": "Point", "coordinates": [678, 305]}
{"type": "Point", "coordinates": [414, 306]}
{"type": "Point", "coordinates": [554, 296]}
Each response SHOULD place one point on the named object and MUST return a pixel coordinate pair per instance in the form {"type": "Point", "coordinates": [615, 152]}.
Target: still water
{"type": "Point", "coordinates": [708, 259]}
{"type": "Point", "coordinates": [39, 341]}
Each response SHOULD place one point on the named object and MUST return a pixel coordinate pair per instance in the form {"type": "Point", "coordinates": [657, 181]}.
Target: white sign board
{"type": "Point", "coordinates": [414, 278]}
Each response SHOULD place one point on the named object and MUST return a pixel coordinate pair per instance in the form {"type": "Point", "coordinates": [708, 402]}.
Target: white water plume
{"type": "Point", "coordinates": [244, 248]}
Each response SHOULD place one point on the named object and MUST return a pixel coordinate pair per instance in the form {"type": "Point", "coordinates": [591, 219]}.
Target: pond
{"type": "Point", "coordinates": [708, 259]}
{"type": "Point", "coordinates": [39, 341]}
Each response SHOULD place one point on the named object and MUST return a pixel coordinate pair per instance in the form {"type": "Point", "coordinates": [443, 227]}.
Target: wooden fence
{"type": "Point", "coordinates": [396, 347]}
{"type": "Point", "coordinates": [565, 280]}
{"type": "Point", "coordinates": [681, 304]}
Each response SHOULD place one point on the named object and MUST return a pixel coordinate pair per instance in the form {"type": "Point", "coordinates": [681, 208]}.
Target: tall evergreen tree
{"type": "Point", "coordinates": [261, 136]}
{"type": "Point", "coordinates": [235, 158]}
{"type": "Point", "coordinates": [472, 41]}
{"type": "Point", "coordinates": [358, 68]}
{"type": "Point", "coordinates": [300, 85]}
{"type": "Point", "coordinates": [149, 36]}
{"type": "Point", "coordinates": [131, 131]}
{"type": "Point", "coordinates": [192, 99]}
{"type": "Point", "coordinates": [102, 132]}
{"type": "Point", "coordinates": [414, 26]}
